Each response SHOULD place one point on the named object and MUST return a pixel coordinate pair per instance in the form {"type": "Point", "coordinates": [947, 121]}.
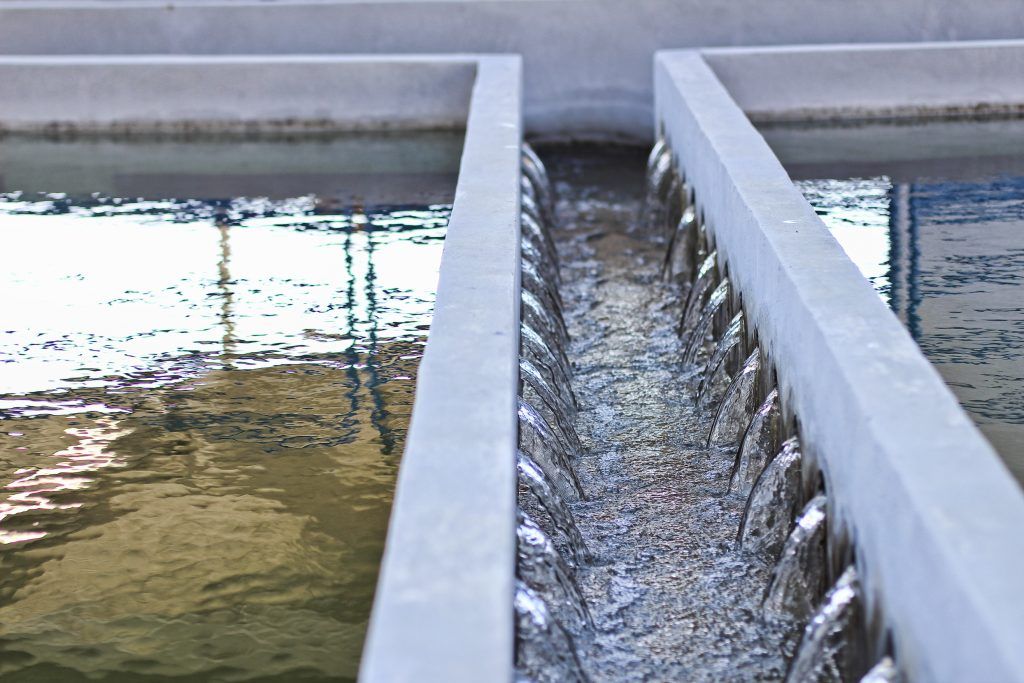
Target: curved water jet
{"type": "Point", "coordinates": [543, 358]}
{"type": "Point", "coordinates": [699, 334]}
{"type": "Point", "coordinates": [542, 320]}
{"type": "Point", "coordinates": [703, 280]}
{"type": "Point", "coordinates": [554, 402]}
{"type": "Point", "coordinates": [538, 439]}
{"type": "Point", "coordinates": [535, 226]}
{"type": "Point", "coordinates": [539, 485]}
{"type": "Point", "coordinates": [730, 341]}
{"type": "Point", "coordinates": [680, 256]}
{"type": "Point", "coordinates": [545, 651]}
{"type": "Point", "coordinates": [759, 444]}
{"type": "Point", "coordinates": [737, 404]}
{"type": "Point", "coordinates": [542, 568]}
{"type": "Point", "coordinates": [772, 504]}
{"type": "Point", "coordinates": [831, 649]}
{"type": "Point", "coordinates": [799, 576]}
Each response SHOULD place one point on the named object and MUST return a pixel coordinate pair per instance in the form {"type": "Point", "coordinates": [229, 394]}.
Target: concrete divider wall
{"type": "Point", "coordinates": [443, 609]}
{"type": "Point", "coordinates": [234, 92]}
{"type": "Point", "coordinates": [587, 62]}
{"type": "Point", "coordinates": [934, 515]}
{"type": "Point", "coordinates": [873, 81]}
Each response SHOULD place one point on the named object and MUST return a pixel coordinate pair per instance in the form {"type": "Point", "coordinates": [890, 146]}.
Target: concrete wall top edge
{"type": "Point", "coordinates": [874, 80]}
{"type": "Point", "coordinates": [444, 604]}
{"type": "Point", "coordinates": [934, 515]}
{"type": "Point", "coordinates": [578, 54]}
{"type": "Point", "coordinates": [303, 92]}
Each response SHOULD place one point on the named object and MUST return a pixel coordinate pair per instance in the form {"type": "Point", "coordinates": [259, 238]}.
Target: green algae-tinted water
{"type": "Point", "coordinates": [933, 214]}
{"type": "Point", "coordinates": [204, 394]}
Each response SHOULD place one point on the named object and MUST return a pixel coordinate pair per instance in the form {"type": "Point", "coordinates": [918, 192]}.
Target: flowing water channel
{"type": "Point", "coordinates": [671, 526]}
{"type": "Point", "coordinates": [933, 214]}
{"type": "Point", "coordinates": [207, 360]}
{"type": "Point", "coordinates": [669, 594]}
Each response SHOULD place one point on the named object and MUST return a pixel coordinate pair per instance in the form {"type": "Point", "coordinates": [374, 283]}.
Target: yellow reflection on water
{"type": "Point", "coordinates": [198, 447]}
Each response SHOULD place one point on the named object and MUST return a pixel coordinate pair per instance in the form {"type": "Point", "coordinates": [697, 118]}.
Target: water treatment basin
{"type": "Point", "coordinates": [207, 370]}
{"type": "Point", "coordinates": [933, 214]}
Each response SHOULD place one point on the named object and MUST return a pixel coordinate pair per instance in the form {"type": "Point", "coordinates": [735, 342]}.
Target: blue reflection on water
{"type": "Point", "coordinates": [948, 257]}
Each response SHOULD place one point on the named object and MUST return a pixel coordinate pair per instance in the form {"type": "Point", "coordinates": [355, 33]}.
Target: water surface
{"type": "Point", "coordinates": [933, 214]}
{"type": "Point", "coordinates": [207, 361]}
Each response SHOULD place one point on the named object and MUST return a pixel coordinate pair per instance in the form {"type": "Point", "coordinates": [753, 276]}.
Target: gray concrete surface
{"type": "Point", "coordinates": [933, 513]}
{"type": "Point", "coordinates": [799, 83]}
{"type": "Point", "coordinates": [443, 610]}
{"type": "Point", "coordinates": [183, 93]}
{"type": "Point", "coordinates": [587, 62]}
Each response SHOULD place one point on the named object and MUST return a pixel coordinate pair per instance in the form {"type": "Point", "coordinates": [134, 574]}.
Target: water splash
{"type": "Point", "coordinates": [534, 229]}
{"type": "Point", "coordinates": [543, 321]}
{"type": "Point", "coordinates": [545, 651]}
{"type": "Point", "coordinates": [538, 439]}
{"type": "Point", "coordinates": [536, 250]}
{"type": "Point", "coordinates": [759, 444]}
{"type": "Point", "coordinates": [543, 569]}
{"type": "Point", "coordinates": [541, 288]}
{"type": "Point", "coordinates": [705, 278]}
{"type": "Point", "coordinates": [659, 177]}
{"type": "Point", "coordinates": [541, 191]}
{"type": "Point", "coordinates": [562, 520]}
{"type": "Point", "coordinates": [680, 257]}
{"type": "Point", "coordinates": [556, 367]}
{"type": "Point", "coordinates": [705, 324]}
{"type": "Point", "coordinates": [535, 170]}
{"type": "Point", "coordinates": [831, 650]}
{"type": "Point", "coordinates": [799, 576]}
{"type": "Point", "coordinates": [730, 341]}
{"type": "Point", "coordinates": [771, 506]}
{"type": "Point", "coordinates": [737, 404]}
{"type": "Point", "coordinates": [885, 671]}
{"type": "Point", "coordinates": [554, 408]}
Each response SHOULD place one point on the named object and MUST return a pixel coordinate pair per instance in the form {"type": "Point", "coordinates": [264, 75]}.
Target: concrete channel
{"type": "Point", "coordinates": [932, 513]}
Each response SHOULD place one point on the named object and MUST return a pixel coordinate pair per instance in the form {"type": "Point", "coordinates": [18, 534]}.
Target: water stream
{"type": "Point", "coordinates": [668, 490]}
{"type": "Point", "coordinates": [671, 595]}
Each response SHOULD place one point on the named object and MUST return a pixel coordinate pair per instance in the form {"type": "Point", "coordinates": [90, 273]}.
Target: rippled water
{"type": "Point", "coordinates": [933, 214]}
{"type": "Point", "coordinates": [202, 408]}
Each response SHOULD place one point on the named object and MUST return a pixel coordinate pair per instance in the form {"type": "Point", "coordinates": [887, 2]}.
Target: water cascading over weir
{"type": "Point", "coordinates": [670, 524]}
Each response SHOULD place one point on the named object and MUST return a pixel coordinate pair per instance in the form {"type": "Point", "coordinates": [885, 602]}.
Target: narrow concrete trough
{"type": "Point", "coordinates": [932, 514]}
{"type": "Point", "coordinates": [443, 609]}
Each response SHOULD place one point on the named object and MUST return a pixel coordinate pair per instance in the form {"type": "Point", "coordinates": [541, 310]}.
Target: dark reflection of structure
{"type": "Point", "coordinates": [378, 413]}
{"type": "Point", "coordinates": [226, 295]}
{"type": "Point", "coordinates": [904, 257]}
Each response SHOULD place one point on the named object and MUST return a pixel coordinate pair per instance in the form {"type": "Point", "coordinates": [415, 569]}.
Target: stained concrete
{"type": "Point", "coordinates": [587, 62]}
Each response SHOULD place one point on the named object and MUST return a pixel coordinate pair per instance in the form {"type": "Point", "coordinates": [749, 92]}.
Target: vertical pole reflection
{"type": "Point", "coordinates": [226, 295]}
{"type": "Point", "coordinates": [351, 421]}
{"type": "Point", "coordinates": [904, 257]}
{"type": "Point", "coordinates": [379, 413]}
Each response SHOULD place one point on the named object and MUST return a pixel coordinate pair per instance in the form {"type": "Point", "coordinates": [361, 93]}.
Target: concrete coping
{"type": "Point", "coordinates": [932, 512]}
{"type": "Point", "coordinates": [443, 609]}
{"type": "Point", "coordinates": [185, 94]}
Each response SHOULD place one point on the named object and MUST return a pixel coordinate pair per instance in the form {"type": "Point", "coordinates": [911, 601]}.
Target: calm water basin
{"type": "Point", "coordinates": [933, 214]}
{"type": "Point", "coordinates": [207, 362]}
